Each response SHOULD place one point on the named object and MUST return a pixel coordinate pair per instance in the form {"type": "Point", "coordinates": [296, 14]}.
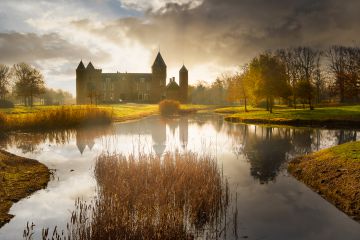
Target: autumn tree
{"type": "Point", "coordinates": [270, 79]}
{"type": "Point", "coordinates": [305, 92]}
{"type": "Point", "coordinates": [5, 75]}
{"type": "Point", "coordinates": [239, 87]}
{"type": "Point", "coordinates": [344, 64]}
{"type": "Point", "coordinates": [29, 82]}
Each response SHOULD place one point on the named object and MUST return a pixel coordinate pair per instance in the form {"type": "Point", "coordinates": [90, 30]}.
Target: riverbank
{"type": "Point", "coordinates": [62, 117]}
{"type": "Point", "coordinates": [19, 178]}
{"type": "Point", "coordinates": [329, 117]}
{"type": "Point", "coordinates": [334, 173]}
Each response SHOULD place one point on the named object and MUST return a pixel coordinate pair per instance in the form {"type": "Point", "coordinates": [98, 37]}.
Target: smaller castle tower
{"type": "Point", "coordinates": [184, 83]}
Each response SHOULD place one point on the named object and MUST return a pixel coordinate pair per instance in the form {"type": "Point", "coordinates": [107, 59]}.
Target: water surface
{"type": "Point", "coordinates": [271, 204]}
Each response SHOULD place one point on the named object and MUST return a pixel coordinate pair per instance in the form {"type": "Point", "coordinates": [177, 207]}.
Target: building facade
{"type": "Point", "coordinates": [94, 86]}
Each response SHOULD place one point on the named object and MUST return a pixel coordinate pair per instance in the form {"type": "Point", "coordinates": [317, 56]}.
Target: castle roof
{"type": "Point", "coordinates": [81, 66]}
{"type": "Point", "coordinates": [172, 86]}
{"type": "Point", "coordinates": [159, 61]}
{"type": "Point", "coordinates": [90, 66]}
{"type": "Point", "coordinates": [183, 69]}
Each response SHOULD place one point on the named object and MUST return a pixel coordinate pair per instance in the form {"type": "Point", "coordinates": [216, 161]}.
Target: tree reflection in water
{"type": "Point", "coordinates": [268, 148]}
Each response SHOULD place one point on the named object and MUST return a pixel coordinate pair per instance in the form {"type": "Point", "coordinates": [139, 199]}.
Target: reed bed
{"type": "Point", "coordinates": [180, 196]}
{"type": "Point", "coordinates": [64, 117]}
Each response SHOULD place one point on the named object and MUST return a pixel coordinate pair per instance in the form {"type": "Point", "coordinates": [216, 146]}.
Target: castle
{"type": "Point", "coordinates": [94, 86]}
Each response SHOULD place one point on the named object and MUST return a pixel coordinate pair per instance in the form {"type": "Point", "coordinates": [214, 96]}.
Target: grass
{"type": "Point", "coordinates": [325, 116]}
{"type": "Point", "coordinates": [19, 177]}
{"type": "Point", "coordinates": [335, 174]}
{"type": "Point", "coordinates": [181, 196]}
{"type": "Point", "coordinates": [53, 117]}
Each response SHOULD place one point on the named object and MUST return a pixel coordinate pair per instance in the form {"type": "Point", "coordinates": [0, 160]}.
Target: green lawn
{"type": "Point", "coordinates": [283, 115]}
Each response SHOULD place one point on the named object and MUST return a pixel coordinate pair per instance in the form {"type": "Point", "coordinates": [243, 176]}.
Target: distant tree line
{"type": "Point", "coordinates": [24, 83]}
{"type": "Point", "coordinates": [302, 75]}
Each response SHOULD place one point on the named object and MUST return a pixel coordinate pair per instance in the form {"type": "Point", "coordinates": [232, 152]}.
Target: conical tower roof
{"type": "Point", "coordinates": [81, 66]}
{"type": "Point", "coordinates": [90, 66]}
{"type": "Point", "coordinates": [183, 68]}
{"type": "Point", "coordinates": [159, 61]}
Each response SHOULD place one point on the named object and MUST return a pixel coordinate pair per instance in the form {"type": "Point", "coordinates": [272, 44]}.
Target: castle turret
{"type": "Point", "coordinates": [184, 79]}
{"type": "Point", "coordinates": [80, 78]}
{"type": "Point", "coordinates": [87, 84]}
{"type": "Point", "coordinates": [158, 79]}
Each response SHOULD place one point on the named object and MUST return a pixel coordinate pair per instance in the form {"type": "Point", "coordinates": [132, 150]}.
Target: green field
{"type": "Point", "coordinates": [288, 116]}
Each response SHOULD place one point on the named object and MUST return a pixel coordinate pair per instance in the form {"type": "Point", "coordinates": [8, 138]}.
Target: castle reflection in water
{"type": "Point", "coordinates": [85, 139]}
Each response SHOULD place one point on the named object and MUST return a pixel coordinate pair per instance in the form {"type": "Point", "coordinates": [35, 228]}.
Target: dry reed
{"type": "Point", "coordinates": [64, 117]}
{"type": "Point", "coordinates": [181, 196]}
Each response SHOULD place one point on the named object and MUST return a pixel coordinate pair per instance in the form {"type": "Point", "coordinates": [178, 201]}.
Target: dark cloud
{"type": "Point", "coordinates": [30, 47]}
{"type": "Point", "coordinates": [232, 31]}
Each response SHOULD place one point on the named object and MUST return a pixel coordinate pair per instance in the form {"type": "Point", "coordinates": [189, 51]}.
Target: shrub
{"type": "Point", "coordinates": [169, 107]}
{"type": "Point", "coordinates": [2, 121]}
{"type": "Point", "coordinates": [6, 104]}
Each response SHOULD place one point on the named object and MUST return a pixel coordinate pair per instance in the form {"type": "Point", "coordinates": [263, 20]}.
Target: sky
{"type": "Point", "coordinates": [210, 37]}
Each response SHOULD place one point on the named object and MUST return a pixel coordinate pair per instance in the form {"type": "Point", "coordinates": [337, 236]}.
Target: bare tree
{"type": "Point", "coordinates": [336, 56]}
{"type": "Point", "coordinates": [29, 82]}
{"type": "Point", "coordinates": [5, 75]}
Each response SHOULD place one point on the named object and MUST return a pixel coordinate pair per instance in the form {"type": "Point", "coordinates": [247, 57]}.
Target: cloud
{"type": "Point", "coordinates": [156, 5]}
{"type": "Point", "coordinates": [210, 36]}
{"type": "Point", "coordinates": [230, 32]}
{"type": "Point", "coordinates": [29, 47]}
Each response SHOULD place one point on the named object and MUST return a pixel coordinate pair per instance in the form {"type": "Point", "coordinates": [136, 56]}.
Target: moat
{"type": "Point", "coordinates": [270, 203]}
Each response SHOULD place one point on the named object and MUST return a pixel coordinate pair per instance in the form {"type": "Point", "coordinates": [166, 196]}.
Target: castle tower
{"type": "Point", "coordinates": [184, 83]}
{"type": "Point", "coordinates": [80, 81]}
{"type": "Point", "coordinates": [158, 82]}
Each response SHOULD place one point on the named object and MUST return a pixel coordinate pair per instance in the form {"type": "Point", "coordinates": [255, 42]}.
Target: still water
{"type": "Point", "coordinates": [270, 203]}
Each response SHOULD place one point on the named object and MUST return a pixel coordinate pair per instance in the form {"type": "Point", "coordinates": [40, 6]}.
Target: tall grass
{"type": "Point", "coordinates": [64, 117]}
{"type": "Point", "coordinates": [182, 196]}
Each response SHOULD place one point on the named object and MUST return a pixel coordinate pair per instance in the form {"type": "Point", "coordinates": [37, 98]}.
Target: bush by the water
{"type": "Point", "coordinates": [2, 121]}
{"type": "Point", "coordinates": [169, 107]}
{"type": "Point", "coordinates": [64, 117]}
{"type": "Point", "coordinates": [179, 196]}
{"type": "Point", "coordinates": [6, 104]}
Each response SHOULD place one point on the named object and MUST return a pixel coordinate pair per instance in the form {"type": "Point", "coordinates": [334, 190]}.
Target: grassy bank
{"type": "Point", "coordinates": [335, 174]}
{"type": "Point", "coordinates": [341, 116]}
{"type": "Point", "coordinates": [19, 177]}
{"type": "Point", "coordinates": [54, 117]}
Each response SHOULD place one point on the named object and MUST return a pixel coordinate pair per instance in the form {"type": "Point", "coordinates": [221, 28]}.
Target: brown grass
{"type": "Point", "coordinates": [169, 107]}
{"type": "Point", "coordinates": [64, 117]}
{"type": "Point", "coordinates": [182, 196]}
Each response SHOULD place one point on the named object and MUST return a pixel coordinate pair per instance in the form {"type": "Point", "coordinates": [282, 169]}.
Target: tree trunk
{"type": "Point", "coordinates": [245, 105]}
